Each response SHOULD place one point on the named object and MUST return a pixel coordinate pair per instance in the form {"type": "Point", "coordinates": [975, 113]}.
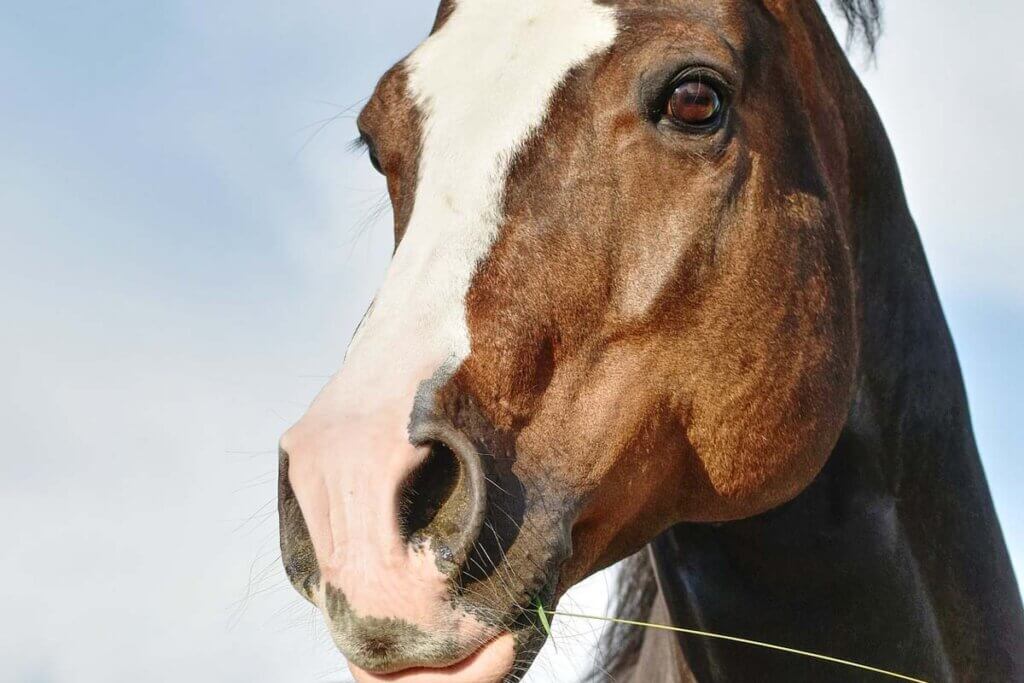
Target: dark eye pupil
{"type": "Point", "coordinates": [693, 103]}
{"type": "Point", "coordinates": [375, 162]}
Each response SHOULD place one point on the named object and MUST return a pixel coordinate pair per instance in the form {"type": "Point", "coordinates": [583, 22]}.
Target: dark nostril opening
{"type": "Point", "coordinates": [444, 499]}
{"type": "Point", "coordinates": [427, 497]}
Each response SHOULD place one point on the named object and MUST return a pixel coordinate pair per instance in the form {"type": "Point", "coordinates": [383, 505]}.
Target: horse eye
{"type": "Point", "coordinates": [375, 161]}
{"type": "Point", "coordinates": [365, 142]}
{"type": "Point", "coordinates": [694, 103]}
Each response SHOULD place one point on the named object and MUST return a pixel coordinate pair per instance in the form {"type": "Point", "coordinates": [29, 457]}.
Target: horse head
{"type": "Point", "coordinates": [623, 296]}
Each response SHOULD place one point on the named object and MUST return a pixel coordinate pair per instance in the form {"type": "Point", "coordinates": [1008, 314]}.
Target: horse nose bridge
{"type": "Point", "coordinates": [347, 474]}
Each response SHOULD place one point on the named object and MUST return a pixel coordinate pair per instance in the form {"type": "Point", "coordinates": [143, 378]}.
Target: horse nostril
{"type": "Point", "coordinates": [427, 490]}
{"type": "Point", "coordinates": [296, 545]}
{"type": "Point", "coordinates": [443, 499]}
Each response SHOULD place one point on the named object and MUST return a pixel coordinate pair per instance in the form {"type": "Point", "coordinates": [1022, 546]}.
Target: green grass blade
{"type": "Point", "coordinates": [544, 622]}
{"type": "Point", "coordinates": [745, 641]}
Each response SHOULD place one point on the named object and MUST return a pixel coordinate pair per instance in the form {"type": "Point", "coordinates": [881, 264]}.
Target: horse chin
{"type": "Point", "coordinates": [492, 663]}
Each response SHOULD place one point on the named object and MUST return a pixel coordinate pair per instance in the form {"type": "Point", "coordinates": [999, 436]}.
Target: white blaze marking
{"type": "Point", "coordinates": [484, 82]}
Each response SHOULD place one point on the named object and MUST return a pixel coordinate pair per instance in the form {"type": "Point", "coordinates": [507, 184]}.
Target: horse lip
{"type": "Point", "coordinates": [485, 664]}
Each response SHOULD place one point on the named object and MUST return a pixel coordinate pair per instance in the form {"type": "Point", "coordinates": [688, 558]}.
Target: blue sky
{"type": "Point", "coordinates": [185, 252]}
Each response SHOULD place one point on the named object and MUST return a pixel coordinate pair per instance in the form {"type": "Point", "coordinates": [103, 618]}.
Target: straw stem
{"type": "Point", "coordinates": [734, 639]}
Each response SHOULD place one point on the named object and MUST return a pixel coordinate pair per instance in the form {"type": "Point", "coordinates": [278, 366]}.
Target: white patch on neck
{"type": "Point", "coordinates": [484, 83]}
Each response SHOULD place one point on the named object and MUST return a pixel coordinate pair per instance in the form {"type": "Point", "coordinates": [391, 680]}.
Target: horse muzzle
{"type": "Point", "coordinates": [377, 522]}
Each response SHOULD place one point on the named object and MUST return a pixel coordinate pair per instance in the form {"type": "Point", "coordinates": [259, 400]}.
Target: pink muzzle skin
{"type": "Point", "coordinates": [348, 466]}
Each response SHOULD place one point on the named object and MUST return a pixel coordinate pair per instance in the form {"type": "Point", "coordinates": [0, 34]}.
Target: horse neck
{"type": "Point", "coordinates": [893, 556]}
{"type": "Point", "coordinates": [911, 423]}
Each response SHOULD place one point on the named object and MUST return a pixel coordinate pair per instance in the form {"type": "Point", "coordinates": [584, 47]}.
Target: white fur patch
{"type": "Point", "coordinates": [484, 83]}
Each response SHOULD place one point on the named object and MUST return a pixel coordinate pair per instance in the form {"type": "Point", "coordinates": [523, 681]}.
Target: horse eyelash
{"type": "Point", "coordinates": [359, 144]}
{"type": "Point", "coordinates": [363, 145]}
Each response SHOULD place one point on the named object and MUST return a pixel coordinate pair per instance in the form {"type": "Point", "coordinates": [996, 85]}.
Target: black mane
{"type": "Point", "coordinates": [863, 18]}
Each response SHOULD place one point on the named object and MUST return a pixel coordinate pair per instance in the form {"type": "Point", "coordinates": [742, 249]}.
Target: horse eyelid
{"type": "Point", "coordinates": [363, 143]}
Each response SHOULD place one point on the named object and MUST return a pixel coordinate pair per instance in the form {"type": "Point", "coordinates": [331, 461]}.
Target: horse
{"type": "Point", "coordinates": [655, 293]}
